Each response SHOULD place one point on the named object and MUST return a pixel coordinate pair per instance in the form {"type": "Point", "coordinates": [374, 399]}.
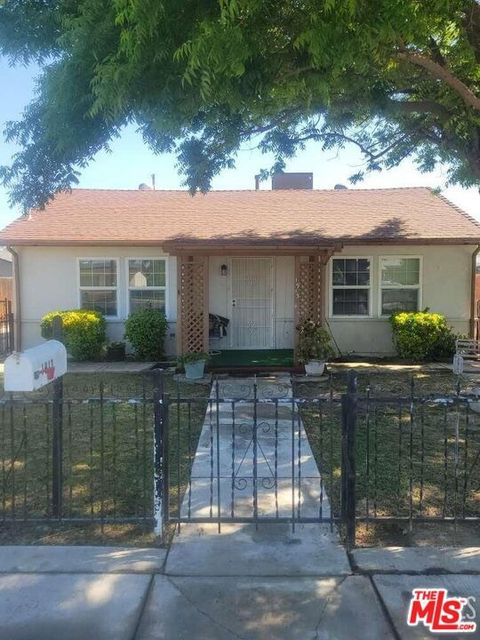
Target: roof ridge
{"type": "Point", "coordinates": [347, 190]}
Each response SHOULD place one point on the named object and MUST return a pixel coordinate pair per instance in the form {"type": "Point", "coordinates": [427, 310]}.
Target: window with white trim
{"type": "Point", "coordinates": [98, 285]}
{"type": "Point", "coordinates": [147, 283]}
{"type": "Point", "coordinates": [350, 287]}
{"type": "Point", "coordinates": [399, 284]}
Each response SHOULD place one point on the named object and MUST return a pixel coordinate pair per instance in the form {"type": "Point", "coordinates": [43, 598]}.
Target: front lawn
{"type": "Point", "coordinates": [108, 457]}
{"type": "Point", "coordinates": [408, 460]}
{"type": "Point", "coordinates": [403, 464]}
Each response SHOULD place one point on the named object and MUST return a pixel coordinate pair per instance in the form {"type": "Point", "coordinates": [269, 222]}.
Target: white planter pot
{"type": "Point", "coordinates": [314, 367]}
{"type": "Point", "coordinates": [194, 370]}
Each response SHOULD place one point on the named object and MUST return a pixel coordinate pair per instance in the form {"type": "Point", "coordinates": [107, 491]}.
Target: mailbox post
{"type": "Point", "coordinates": [31, 370]}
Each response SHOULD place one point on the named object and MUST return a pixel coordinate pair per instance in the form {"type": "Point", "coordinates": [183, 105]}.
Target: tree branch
{"type": "Point", "coordinates": [419, 106]}
{"type": "Point", "coordinates": [442, 73]}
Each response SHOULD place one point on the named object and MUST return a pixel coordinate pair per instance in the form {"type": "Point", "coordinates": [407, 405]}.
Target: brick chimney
{"type": "Point", "coordinates": [292, 181]}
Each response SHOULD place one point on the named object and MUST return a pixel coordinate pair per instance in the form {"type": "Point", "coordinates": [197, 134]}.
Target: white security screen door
{"type": "Point", "coordinates": [252, 303]}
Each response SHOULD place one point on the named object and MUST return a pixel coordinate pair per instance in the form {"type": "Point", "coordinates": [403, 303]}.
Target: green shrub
{"type": "Point", "coordinates": [83, 332]}
{"type": "Point", "coordinates": [314, 342]}
{"type": "Point", "coordinates": [146, 330]}
{"type": "Point", "coordinates": [422, 336]}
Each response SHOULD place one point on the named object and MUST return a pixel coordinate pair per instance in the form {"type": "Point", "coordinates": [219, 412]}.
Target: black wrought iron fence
{"type": "Point", "coordinates": [411, 458]}
{"type": "Point", "coordinates": [323, 454]}
{"type": "Point", "coordinates": [105, 467]}
{"type": "Point", "coordinates": [245, 458]}
{"type": "Point", "coordinates": [6, 328]}
{"type": "Point", "coordinates": [372, 456]}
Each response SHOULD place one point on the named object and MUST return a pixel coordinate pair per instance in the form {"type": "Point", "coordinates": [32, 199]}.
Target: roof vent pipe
{"type": "Point", "coordinates": [257, 182]}
{"type": "Point", "coordinates": [144, 187]}
{"type": "Point", "coordinates": [340, 187]}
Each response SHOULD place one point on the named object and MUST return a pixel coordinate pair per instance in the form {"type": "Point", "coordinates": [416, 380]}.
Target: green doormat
{"type": "Point", "coordinates": [252, 358]}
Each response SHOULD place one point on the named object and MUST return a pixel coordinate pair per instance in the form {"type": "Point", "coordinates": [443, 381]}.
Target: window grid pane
{"type": "Point", "coordinates": [98, 273]}
{"type": "Point", "coordinates": [351, 302]}
{"type": "Point", "coordinates": [351, 272]}
{"type": "Point", "coordinates": [146, 273]}
{"type": "Point", "coordinates": [399, 300]}
{"type": "Point", "coordinates": [400, 271]}
{"type": "Point", "coordinates": [351, 287]}
{"type": "Point", "coordinates": [145, 299]}
{"type": "Point", "coordinates": [104, 301]}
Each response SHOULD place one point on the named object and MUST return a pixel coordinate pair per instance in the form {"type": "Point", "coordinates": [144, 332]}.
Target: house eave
{"type": "Point", "coordinates": [206, 246]}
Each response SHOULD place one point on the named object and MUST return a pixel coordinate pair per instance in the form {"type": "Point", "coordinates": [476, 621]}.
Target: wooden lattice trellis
{"type": "Point", "coordinates": [310, 288]}
{"type": "Point", "coordinates": [192, 323]}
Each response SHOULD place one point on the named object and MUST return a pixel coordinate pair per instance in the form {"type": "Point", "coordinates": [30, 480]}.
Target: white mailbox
{"type": "Point", "coordinates": [34, 368]}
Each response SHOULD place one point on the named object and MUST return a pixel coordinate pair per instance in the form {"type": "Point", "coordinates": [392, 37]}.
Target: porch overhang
{"type": "Point", "coordinates": [259, 249]}
{"type": "Point", "coordinates": [193, 283]}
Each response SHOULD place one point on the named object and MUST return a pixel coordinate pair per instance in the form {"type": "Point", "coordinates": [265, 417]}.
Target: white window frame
{"type": "Point", "coordinates": [418, 286]}
{"type": "Point", "coordinates": [129, 288]}
{"type": "Point", "coordinates": [116, 288]}
{"type": "Point", "coordinates": [333, 316]}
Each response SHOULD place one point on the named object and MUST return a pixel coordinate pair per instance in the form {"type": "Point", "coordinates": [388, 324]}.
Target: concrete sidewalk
{"type": "Point", "coordinates": [53, 593]}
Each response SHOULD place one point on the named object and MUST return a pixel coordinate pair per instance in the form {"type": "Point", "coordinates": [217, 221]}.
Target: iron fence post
{"type": "Point", "coordinates": [10, 328]}
{"type": "Point", "coordinates": [160, 434]}
{"type": "Point", "coordinates": [57, 432]}
{"type": "Point", "coordinates": [349, 420]}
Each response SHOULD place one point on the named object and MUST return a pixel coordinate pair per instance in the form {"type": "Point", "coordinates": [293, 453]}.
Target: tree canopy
{"type": "Point", "coordinates": [199, 78]}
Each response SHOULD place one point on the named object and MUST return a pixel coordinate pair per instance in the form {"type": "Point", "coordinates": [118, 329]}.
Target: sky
{"type": "Point", "coordinates": [130, 162]}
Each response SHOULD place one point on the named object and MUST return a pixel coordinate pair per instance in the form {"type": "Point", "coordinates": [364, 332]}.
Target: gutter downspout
{"type": "Point", "coordinates": [473, 302]}
{"type": "Point", "coordinates": [17, 301]}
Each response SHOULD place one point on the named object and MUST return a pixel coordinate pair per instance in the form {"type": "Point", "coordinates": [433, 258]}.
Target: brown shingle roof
{"type": "Point", "coordinates": [354, 216]}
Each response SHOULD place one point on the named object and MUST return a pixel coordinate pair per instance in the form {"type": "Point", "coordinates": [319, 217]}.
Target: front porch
{"type": "Point", "coordinates": [258, 295]}
{"type": "Point", "coordinates": [252, 360]}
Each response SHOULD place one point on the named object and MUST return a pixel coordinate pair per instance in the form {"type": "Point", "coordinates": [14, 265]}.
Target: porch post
{"type": "Point", "coordinates": [309, 290]}
{"type": "Point", "coordinates": [192, 304]}
{"type": "Point", "coordinates": [178, 327]}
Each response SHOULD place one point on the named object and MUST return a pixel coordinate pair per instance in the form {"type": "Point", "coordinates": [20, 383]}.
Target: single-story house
{"type": "Point", "coordinates": [263, 260]}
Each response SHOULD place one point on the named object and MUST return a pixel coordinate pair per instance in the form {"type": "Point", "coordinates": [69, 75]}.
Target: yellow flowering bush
{"type": "Point", "coordinates": [83, 332]}
{"type": "Point", "coordinates": [422, 335]}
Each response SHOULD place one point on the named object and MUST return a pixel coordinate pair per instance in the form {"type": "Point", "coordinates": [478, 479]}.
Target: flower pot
{"type": "Point", "coordinates": [194, 370]}
{"type": "Point", "coordinates": [115, 353]}
{"type": "Point", "coordinates": [314, 367]}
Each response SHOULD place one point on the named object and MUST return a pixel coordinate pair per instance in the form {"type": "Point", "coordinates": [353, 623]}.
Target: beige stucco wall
{"type": "Point", "coordinates": [445, 280]}
{"type": "Point", "coordinates": [49, 280]}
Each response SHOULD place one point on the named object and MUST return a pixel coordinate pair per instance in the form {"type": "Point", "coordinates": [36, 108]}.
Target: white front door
{"type": "Point", "coordinates": [252, 303]}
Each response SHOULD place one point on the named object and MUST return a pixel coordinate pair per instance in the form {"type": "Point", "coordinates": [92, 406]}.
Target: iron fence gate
{"type": "Point", "coordinates": [248, 461]}
{"type": "Point", "coordinates": [341, 456]}
{"type": "Point", "coordinates": [324, 453]}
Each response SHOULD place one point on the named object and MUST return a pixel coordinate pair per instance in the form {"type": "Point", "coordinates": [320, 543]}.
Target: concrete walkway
{"type": "Point", "coordinates": [85, 593]}
{"type": "Point", "coordinates": [234, 444]}
{"type": "Point", "coordinates": [288, 485]}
